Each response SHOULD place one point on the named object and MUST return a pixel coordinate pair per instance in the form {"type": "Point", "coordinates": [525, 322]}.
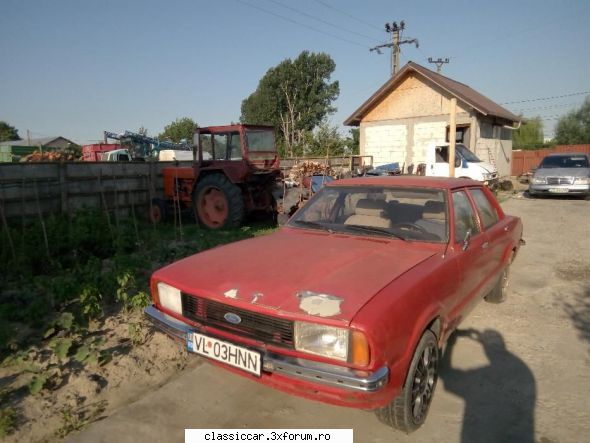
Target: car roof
{"type": "Point", "coordinates": [407, 180]}
{"type": "Point", "coordinates": [567, 154]}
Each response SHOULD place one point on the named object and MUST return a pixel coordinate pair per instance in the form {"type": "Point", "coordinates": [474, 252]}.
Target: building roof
{"type": "Point", "coordinates": [461, 91]}
{"type": "Point", "coordinates": [44, 141]}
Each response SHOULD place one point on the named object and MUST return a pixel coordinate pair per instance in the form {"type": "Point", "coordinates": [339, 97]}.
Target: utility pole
{"type": "Point", "coordinates": [28, 137]}
{"type": "Point", "coordinates": [396, 32]}
{"type": "Point", "coordinates": [438, 63]}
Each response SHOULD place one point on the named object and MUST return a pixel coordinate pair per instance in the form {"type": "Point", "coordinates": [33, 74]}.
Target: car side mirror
{"type": "Point", "coordinates": [457, 162]}
{"type": "Point", "coordinates": [466, 240]}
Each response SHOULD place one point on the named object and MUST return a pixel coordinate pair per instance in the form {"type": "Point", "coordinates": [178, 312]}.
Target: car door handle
{"type": "Point", "coordinates": [485, 245]}
{"type": "Point", "coordinates": [506, 228]}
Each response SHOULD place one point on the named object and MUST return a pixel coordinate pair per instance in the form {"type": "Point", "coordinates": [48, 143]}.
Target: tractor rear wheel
{"type": "Point", "coordinates": [219, 204]}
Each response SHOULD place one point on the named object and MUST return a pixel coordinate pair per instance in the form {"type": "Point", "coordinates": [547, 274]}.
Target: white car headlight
{"type": "Point", "coordinates": [582, 180]}
{"type": "Point", "coordinates": [327, 341]}
{"type": "Point", "coordinates": [487, 176]}
{"type": "Point", "coordinates": [538, 180]}
{"type": "Point", "coordinates": [170, 297]}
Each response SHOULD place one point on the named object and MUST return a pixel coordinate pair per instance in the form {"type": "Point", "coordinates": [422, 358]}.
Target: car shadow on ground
{"type": "Point", "coordinates": [499, 396]}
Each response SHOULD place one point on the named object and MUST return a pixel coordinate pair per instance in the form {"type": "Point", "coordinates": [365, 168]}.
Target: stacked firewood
{"type": "Point", "coordinates": [307, 168]}
{"type": "Point", "coordinates": [52, 156]}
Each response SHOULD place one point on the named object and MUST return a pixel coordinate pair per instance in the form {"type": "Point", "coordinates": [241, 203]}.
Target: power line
{"type": "Point", "coordinates": [547, 98]}
{"type": "Point", "coordinates": [370, 25]}
{"type": "Point", "coordinates": [321, 20]}
{"type": "Point", "coordinates": [266, 11]}
{"type": "Point", "coordinates": [563, 105]}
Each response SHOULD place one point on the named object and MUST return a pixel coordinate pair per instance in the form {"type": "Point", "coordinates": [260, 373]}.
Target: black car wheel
{"type": "Point", "coordinates": [409, 410]}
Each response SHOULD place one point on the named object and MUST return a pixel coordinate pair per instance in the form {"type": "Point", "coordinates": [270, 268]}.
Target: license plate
{"type": "Point", "coordinates": [559, 190]}
{"type": "Point", "coordinates": [224, 352]}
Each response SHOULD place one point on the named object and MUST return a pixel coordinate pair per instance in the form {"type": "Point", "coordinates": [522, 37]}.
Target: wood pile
{"type": "Point", "coordinates": [52, 156]}
{"type": "Point", "coordinates": [308, 168]}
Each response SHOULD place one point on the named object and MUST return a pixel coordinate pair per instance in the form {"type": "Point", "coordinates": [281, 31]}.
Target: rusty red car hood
{"type": "Point", "coordinates": [277, 271]}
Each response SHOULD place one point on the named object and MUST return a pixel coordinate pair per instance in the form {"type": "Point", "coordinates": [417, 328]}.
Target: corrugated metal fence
{"type": "Point", "coordinates": [525, 161]}
{"type": "Point", "coordinates": [41, 188]}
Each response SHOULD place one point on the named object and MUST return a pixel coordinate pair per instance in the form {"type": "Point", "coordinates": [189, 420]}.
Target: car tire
{"type": "Point", "coordinates": [499, 293]}
{"type": "Point", "coordinates": [218, 203]}
{"type": "Point", "coordinates": [408, 411]}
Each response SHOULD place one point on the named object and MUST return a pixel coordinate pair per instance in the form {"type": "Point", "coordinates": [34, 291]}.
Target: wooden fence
{"type": "Point", "coordinates": [525, 161]}
{"type": "Point", "coordinates": [31, 189]}
{"type": "Point", "coordinates": [42, 188]}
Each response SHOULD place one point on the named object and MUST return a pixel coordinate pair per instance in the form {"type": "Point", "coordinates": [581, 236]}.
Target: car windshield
{"type": "Point", "coordinates": [467, 154]}
{"type": "Point", "coordinates": [407, 213]}
{"type": "Point", "coordinates": [260, 140]}
{"type": "Point", "coordinates": [565, 161]}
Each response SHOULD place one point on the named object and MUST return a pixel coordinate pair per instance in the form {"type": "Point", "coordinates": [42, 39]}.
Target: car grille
{"type": "Point", "coordinates": [253, 325]}
{"type": "Point", "coordinates": [559, 181]}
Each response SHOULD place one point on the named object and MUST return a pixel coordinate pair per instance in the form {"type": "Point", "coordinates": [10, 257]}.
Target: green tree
{"type": "Point", "coordinates": [295, 96]}
{"type": "Point", "coordinates": [179, 129]}
{"type": "Point", "coordinates": [353, 141]}
{"type": "Point", "coordinates": [324, 140]}
{"type": "Point", "coordinates": [7, 132]}
{"type": "Point", "coordinates": [574, 128]}
{"type": "Point", "coordinates": [529, 135]}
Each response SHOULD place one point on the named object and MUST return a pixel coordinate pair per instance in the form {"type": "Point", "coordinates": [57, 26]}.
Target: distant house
{"type": "Point", "coordinates": [13, 150]}
{"type": "Point", "coordinates": [411, 111]}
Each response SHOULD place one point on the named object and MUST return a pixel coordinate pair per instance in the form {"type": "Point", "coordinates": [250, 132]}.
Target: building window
{"type": "Point", "coordinates": [461, 134]}
{"type": "Point", "coordinates": [487, 130]}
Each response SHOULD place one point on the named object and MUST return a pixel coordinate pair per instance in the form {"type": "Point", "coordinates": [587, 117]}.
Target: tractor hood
{"type": "Point", "coordinates": [297, 272]}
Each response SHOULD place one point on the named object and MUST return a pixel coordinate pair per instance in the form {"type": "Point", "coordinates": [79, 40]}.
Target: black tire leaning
{"type": "Point", "coordinates": [233, 195]}
{"type": "Point", "coordinates": [399, 413]}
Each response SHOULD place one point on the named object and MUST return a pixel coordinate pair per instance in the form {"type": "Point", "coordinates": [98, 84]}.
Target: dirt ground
{"type": "Point", "coordinates": [518, 371]}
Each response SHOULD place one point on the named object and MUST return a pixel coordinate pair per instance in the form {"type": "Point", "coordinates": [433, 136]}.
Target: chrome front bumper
{"type": "Point", "coordinates": [308, 370]}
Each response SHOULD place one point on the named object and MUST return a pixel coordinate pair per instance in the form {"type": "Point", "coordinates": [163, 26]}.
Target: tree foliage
{"type": "Point", "coordinates": [295, 97]}
{"type": "Point", "coordinates": [574, 128]}
{"type": "Point", "coordinates": [7, 132]}
{"type": "Point", "coordinates": [180, 129]}
{"type": "Point", "coordinates": [529, 135]}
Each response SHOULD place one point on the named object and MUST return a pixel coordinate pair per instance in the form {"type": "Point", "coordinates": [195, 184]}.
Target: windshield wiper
{"type": "Point", "coordinates": [313, 225]}
{"type": "Point", "coordinates": [374, 230]}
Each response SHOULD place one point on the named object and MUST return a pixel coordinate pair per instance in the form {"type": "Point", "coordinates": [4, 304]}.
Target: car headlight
{"type": "Point", "coordinates": [332, 342]}
{"type": "Point", "coordinates": [169, 297]}
{"type": "Point", "coordinates": [487, 176]}
{"type": "Point", "coordinates": [582, 181]}
{"type": "Point", "coordinates": [327, 341]}
{"type": "Point", "coordinates": [538, 180]}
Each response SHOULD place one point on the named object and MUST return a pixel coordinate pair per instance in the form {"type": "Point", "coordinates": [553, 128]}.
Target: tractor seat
{"type": "Point", "coordinates": [369, 213]}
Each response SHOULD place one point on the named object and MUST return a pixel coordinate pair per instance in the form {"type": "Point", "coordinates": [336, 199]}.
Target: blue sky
{"type": "Point", "coordinates": [78, 67]}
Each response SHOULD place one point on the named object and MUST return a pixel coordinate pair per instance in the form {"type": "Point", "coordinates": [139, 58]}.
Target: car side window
{"type": "Point", "coordinates": [465, 218]}
{"type": "Point", "coordinates": [487, 212]}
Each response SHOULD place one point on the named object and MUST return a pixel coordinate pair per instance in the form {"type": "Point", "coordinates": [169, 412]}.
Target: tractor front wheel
{"type": "Point", "coordinates": [219, 204]}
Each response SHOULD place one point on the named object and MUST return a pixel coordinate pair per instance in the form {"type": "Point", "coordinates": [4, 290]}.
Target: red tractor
{"type": "Point", "coordinates": [235, 171]}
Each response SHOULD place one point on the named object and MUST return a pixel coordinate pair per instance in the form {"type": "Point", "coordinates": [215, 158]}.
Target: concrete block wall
{"type": "Point", "coordinates": [387, 143]}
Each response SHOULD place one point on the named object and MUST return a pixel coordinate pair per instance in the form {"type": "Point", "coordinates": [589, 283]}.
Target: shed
{"type": "Point", "coordinates": [411, 112]}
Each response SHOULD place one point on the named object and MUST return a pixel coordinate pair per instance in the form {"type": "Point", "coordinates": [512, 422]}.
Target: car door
{"type": "Point", "coordinates": [496, 228]}
{"type": "Point", "coordinates": [469, 249]}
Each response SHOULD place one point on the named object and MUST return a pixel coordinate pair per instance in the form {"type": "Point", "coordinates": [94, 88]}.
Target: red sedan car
{"type": "Point", "coordinates": [351, 301]}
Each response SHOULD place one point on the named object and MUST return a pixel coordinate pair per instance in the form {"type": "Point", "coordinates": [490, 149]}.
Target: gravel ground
{"type": "Point", "coordinates": [518, 371]}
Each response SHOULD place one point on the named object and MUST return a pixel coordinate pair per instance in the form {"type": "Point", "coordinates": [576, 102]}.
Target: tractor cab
{"type": "Point", "coordinates": [253, 146]}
